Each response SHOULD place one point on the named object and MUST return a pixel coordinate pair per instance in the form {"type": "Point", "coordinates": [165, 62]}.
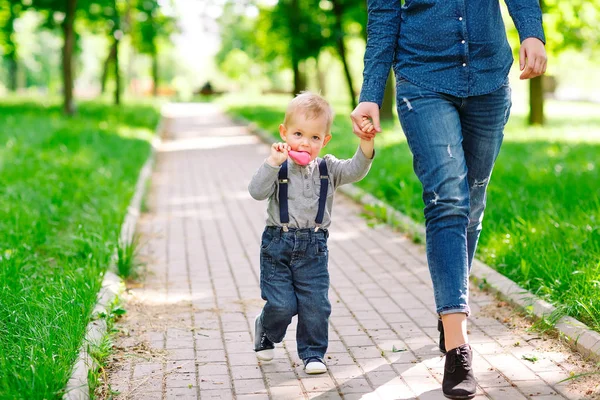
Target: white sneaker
{"type": "Point", "coordinates": [314, 366]}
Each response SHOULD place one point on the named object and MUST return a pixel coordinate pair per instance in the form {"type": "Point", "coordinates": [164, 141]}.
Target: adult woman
{"type": "Point", "coordinates": [451, 59]}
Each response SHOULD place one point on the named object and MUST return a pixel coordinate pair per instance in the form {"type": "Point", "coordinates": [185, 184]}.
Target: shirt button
{"type": "Point", "coordinates": [305, 176]}
{"type": "Point", "coordinates": [464, 64]}
{"type": "Point", "coordinates": [460, 18]}
{"type": "Point", "coordinates": [462, 41]}
{"type": "Point", "coordinates": [308, 187]}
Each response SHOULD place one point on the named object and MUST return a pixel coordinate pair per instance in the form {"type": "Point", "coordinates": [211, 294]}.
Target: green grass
{"type": "Point", "coordinates": [98, 384]}
{"type": "Point", "coordinates": [542, 223]}
{"type": "Point", "coordinates": [128, 261]}
{"type": "Point", "coordinates": [65, 184]}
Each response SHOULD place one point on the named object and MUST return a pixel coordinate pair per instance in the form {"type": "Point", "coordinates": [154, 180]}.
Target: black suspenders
{"type": "Point", "coordinates": [283, 195]}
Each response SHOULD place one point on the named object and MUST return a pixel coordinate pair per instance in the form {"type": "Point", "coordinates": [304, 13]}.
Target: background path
{"type": "Point", "coordinates": [188, 331]}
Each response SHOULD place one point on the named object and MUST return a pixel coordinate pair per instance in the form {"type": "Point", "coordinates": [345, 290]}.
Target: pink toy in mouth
{"type": "Point", "coordinates": [300, 157]}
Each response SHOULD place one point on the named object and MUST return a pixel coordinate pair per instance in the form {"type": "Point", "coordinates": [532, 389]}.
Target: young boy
{"type": "Point", "coordinates": [293, 259]}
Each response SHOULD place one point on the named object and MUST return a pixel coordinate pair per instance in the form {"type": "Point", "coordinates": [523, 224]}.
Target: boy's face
{"type": "Point", "coordinates": [309, 135]}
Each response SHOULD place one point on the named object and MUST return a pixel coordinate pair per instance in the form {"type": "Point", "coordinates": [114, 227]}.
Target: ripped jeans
{"type": "Point", "coordinates": [455, 142]}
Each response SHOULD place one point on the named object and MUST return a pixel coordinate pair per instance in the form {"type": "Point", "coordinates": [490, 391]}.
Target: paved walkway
{"type": "Point", "coordinates": [188, 332]}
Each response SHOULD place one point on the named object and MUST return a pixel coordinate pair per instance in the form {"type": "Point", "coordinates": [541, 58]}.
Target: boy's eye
{"type": "Point", "coordinates": [316, 138]}
{"type": "Point", "coordinates": [297, 134]}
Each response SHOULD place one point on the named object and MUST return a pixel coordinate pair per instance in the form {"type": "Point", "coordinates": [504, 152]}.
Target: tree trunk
{"type": "Point", "coordinates": [154, 72]}
{"type": "Point", "coordinates": [109, 58]}
{"type": "Point", "coordinates": [117, 33]}
{"type": "Point", "coordinates": [117, 73]}
{"type": "Point", "coordinates": [294, 24]}
{"type": "Point", "coordinates": [12, 72]}
{"type": "Point", "coordinates": [536, 101]}
{"type": "Point", "coordinates": [299, 78]}
{"type": "Point", "coordinates": [387, 107]}
{"type": "Point", "coordinates": [536, 95]}
{"type": "Point", "coordinates": [321, 85]}
{"type": "Point", "coordinates": [341, 48]}
{"type": "Point", "coordinates": [11, 53]}
{"type": "Point", "coordinates": [67, 56]}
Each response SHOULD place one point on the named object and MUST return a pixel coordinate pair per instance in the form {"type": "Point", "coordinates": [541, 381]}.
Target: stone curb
{"type": "Point", "coordinates": [579, 336]}
{"type": "Point", "coordinates": [112, 285]}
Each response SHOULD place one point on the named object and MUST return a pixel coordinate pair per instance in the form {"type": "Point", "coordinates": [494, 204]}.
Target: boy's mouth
{"type": "Point", "coordinates": [299, 157]}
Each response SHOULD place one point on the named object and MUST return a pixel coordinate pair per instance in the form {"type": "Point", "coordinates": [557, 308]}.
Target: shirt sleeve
{"type": "Point", "coordinates": [383, 27]}
{"type": "Point", "coordinates": [350, 170]}
{"type": "Point", "coordinates": [263, 183]}
{"type": "Point", "coordinates": [527, 16]}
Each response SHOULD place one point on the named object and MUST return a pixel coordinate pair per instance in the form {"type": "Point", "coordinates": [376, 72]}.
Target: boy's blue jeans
{"type": "Point", "coordinates": [455, 142]}
{"type": "Point", "coordinates": [294, 280]}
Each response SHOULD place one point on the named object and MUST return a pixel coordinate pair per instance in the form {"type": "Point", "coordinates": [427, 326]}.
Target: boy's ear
{"type": "Point", "coordinates": [283, 132]}
{"type": "Point", "coordinates": [327, 139]}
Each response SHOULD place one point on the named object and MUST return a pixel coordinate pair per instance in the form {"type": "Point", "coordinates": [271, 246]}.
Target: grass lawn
{"type": "Point", "coordinates": [542, 224]}
{"type": "Point", "coordinates": [65, 184]}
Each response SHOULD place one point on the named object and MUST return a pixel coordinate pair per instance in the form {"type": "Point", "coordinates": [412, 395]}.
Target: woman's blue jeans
{"type": "Point", "coordinates": [455, 142]}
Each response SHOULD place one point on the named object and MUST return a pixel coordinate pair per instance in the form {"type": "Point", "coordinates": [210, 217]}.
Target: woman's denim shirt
{"type": "Point", "coordinates": [458, 47]}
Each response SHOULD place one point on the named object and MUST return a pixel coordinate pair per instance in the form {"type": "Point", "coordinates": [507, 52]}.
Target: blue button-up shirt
{"type": "Point", "coordinates": [457, 47]}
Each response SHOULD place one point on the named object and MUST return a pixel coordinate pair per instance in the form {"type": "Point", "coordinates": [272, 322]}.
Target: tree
{"type": "Point", "coordinates": [149, 26]}
{"type": "Point", "coordinates": [10, 11]}
{"type": "Point", "coordinates": [284, 35]}
{"type": "Point", "coordinates": [338, 11]}
{"type": "Point", "coordinates": [68, 27]}
{"type": "Point", "coordinates": [62, 13]}
{"type": "Point", "coordinates": [110, 18]}
{"type": "Point", "coordinates": [297, 25]}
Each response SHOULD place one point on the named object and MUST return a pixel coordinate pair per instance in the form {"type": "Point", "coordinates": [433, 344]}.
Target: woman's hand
{"type": "Point", "coordinates": [363, 112]}
{"type": "Point", "coordinates": [532, 58]}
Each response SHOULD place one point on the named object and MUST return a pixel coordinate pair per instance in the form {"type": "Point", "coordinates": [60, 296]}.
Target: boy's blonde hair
{"type": "Point", "coordinates": [312, 106]}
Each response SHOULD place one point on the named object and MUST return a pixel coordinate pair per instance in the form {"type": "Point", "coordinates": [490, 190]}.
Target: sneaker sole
{"type": "Point", "coordinates": [459, 397]}
{"type": "Point", "coordinates": [316, 371]}
{"type": "Point", "coordinates": [265, 355]}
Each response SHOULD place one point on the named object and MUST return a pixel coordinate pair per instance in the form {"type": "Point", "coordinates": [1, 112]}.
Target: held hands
{"type": "Point", "coordinates": [367, 127]}
{"type": "Point", "coordinates": [279, 154]}
{"type": "Point", "coordinates": [362, 116]}
{"type": "Point", "coordinates": [532, 58]}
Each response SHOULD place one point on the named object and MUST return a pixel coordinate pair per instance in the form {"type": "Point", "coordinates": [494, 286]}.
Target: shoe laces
{"type": "Point", "coordinates": [311, 359]}
{"type": "Point", "coordinates": [462, 359]}
{"type": "Point", "coordinates": [264, 340]}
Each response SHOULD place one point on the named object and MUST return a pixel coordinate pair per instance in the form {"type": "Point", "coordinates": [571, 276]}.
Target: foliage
{"type": "Point", "coordinates": [572, 24]}
{"type": "Point", "coordinates": [567, 25]}
{"type": "Point", "coordinates": [65, 185]}
{"type": "Point", "coordinates": [149, 24]}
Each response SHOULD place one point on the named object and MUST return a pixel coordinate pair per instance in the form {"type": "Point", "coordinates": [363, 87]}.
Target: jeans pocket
{"type": "Point", "coordinates": [267, 267]}
{"type": "Point", "coordinates": [322, 246]}
{"type": "Point", "coordinates": [267, 240]}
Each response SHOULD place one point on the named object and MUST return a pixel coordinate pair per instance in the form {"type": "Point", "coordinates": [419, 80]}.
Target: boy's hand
{"type": "Point", "coordinates": [279, 154]}
{"type": "Point", "coordinates": [367, 127]}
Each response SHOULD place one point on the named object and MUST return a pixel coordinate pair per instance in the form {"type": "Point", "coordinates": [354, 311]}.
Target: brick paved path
{"type": "Point", "coordinates": [189, 327]}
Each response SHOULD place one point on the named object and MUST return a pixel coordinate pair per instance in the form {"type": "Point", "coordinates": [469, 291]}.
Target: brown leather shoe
{"type": "Point", "coordinates": [459, 381]}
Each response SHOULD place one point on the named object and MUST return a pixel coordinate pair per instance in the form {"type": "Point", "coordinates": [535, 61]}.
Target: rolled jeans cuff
{"type": "Point", "coordinates": [455, 310]}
